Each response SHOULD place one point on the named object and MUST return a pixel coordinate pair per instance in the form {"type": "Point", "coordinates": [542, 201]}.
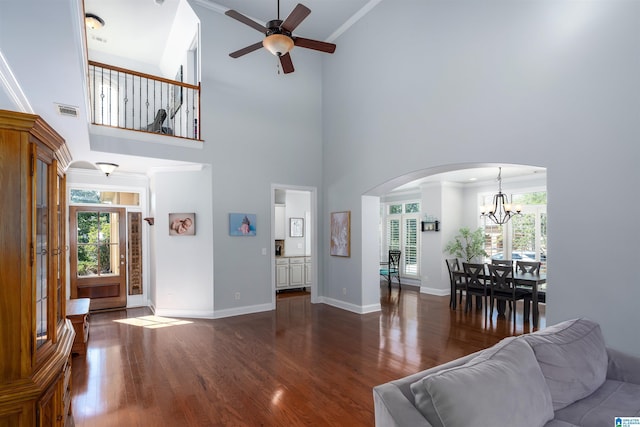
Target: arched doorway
{"type": "Point", "coordinates": [452, 194]}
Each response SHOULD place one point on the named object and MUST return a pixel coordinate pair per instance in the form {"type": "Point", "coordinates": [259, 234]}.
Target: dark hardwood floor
{"type": "Point", "coordinates": [301, 364]}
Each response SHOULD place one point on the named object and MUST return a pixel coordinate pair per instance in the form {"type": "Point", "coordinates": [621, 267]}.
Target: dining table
{"type": "Point", "coordinates": [521, 279]}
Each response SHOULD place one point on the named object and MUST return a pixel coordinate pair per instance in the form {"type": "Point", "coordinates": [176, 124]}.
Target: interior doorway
{"type": "Point", "coordinates": [293, 240]}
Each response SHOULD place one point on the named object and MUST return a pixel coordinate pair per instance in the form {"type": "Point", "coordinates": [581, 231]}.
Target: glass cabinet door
{"type": "Point", "coordinates": [60, 247]}
{"type": "Point", "coordinates": [41, 252]}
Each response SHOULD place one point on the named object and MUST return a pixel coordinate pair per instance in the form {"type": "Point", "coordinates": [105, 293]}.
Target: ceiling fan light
{"type": "Point", "coordinates": [278, 44]}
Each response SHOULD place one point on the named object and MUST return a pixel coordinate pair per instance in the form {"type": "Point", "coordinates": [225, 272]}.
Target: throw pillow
{"type": "Point", "coordinates": [501, 386]}
{"type": "Point", "coordinates": [573, 358]}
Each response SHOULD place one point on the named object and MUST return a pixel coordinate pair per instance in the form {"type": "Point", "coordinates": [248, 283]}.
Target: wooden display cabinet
{"type": "Point", "coordinates": [35, 336]}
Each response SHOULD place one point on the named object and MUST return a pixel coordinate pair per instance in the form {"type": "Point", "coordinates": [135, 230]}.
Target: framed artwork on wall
{"type": "Point", "coordinates": [296, 227]}
{"type": "Point", "coordinates": [176, 95]}
{"type": "Point", "coordinates": [182, 224]}
{"type": "Point", "coordinates": [341, 234]}
{"type": "Point", "coordinates": [242, 224]}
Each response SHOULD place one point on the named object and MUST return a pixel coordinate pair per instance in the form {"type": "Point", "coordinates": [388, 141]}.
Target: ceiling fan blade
{"type": "Point", "coordinates": [314, 44]}
{"type": "Point", "coordinates": [287, 64]}
{"type": "Point", "coordinates": [247, 21]}
{"type": "Point", "coordinates": [245, 50]}
{"type": "Point", "coordinates": [296, 16]}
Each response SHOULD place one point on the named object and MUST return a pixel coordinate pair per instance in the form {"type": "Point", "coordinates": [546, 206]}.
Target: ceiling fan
{"type": "Point", "coordinates": [279, 39]}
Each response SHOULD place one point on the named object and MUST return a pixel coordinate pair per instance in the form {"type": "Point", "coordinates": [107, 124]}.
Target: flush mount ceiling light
{"type": "Point", "coordinates": [93, 21]}
{"type": "Point", "coordinates": [500, 211]}
{"type": "Point", "coordinates": [107, 168]}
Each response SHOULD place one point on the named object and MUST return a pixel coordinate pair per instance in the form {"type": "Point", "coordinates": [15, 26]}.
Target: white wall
{"type": "Point", "coordinates": [431, 259]}
{"type": "Point", "coordinates": [183, 31]}
{"type": "Point", "coordinates": [298, 206]}
{"type": "Point", "coordinates": [550, 83]}
{"type": "Point", "coordinates": [259, 128]}
{"type": "Point", "coordinates": [184, 278]}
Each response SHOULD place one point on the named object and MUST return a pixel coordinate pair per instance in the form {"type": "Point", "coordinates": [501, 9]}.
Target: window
{"type": "Point", "coordinates": [98, 245]}
{"type": "Point", "coordinates": [104, 197]}
{"type": "Point", "coordinates": [524, 237]}
{"type": "Point", "coordinates": [402, 221]}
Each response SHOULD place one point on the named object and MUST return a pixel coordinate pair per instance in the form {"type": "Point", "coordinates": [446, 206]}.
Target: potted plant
{"type": "Point", "coordinates": [467, 245]}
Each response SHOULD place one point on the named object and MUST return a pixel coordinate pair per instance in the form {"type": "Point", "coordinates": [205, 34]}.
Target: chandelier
{"type": "Point", "coordinates": [500, 211]}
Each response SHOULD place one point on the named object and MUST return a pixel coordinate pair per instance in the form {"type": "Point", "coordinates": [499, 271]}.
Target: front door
{"type": "Point", "coordinates": [98, 254]}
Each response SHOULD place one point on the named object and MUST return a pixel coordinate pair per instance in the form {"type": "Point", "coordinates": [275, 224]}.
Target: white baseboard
{"type": "Point", "coordinates": [434, 291]}
{"type": "Point", "coordinates": [219, 314]}
{"type": "Point", "coordinates": [359, 309]}
{"type": "Point", "coordinates": [192, 314]}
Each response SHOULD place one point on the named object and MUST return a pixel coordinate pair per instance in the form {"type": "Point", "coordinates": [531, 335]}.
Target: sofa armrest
{"type": "Point", "coordinates": [623, 367]}
{"type": "Point", "coordinates": [393, 409]}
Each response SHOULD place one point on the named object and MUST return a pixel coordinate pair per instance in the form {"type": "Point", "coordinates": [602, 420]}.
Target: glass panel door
{"type": "Point", "coordinates": [41, 252]}
{"type": "Point", "coordinates": [98, 255]}
{"type": "Point", "coordinates": [60, 247]}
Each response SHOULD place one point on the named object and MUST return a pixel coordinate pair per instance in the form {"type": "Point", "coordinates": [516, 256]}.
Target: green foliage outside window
{"type": "Point", "coordinates": [539, 198]}
{"type": "Point", "coordinates": [94, 243]}
{"type": "Point", "coordinates": [395, 209]}
{"type": "Point", "coordinates": [85, 196]}
{"type": "Point", "coordinates": [412, 208]}
{"type": "Point", "coordinates": [524, 234]}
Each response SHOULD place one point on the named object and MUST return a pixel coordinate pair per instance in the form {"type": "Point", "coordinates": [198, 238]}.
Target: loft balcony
{"type": "Point", "coordinates": [126, 99]}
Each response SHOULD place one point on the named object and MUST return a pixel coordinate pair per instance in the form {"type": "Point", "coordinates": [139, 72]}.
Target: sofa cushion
{"type": "Point", "coordinates": [503, 385]}
{"type": "Point", "coordinates": [573, 359]}
{"type": "Point", "coordinates": [612, 399]}
{"type": "Point", "coordinates": [558, 423]}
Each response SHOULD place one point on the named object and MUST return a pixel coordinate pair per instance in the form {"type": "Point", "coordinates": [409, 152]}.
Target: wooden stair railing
{"type": "Point", "coordinates": [137, 101]}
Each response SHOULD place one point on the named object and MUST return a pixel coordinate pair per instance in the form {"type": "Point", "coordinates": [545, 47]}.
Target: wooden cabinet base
{"type": "Point", "coordinates": [44, 398]}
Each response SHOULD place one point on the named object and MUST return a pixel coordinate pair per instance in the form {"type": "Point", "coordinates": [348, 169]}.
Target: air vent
{"type": "Point", "coordinates": [65, 110]}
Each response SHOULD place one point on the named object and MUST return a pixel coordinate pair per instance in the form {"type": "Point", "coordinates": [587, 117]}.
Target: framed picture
{"type": "Point", "coordinates": [182, 224]}
{"type": "Point", "coordinates": [296, 227]}
{"type": "Point", "coordinates": [341, 233]}
{"type": "Point", "coordinates": [241, 224]}
{"type": "Point", "coordinates": [176, 95]}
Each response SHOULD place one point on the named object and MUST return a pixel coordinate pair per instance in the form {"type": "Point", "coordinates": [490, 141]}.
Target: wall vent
{"type": "Point", "coordinates": [66, 110]}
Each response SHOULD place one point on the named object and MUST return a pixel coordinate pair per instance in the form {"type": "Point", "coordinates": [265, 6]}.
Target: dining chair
{"type": "Point", "coordinates": [457, 284]}
{"type": "Point", "coordinates": [474, 285]}
{"type": "Point", "coordinates": [391, 268]}
{"type": "Point", "coordinates": [507, 262]}
{"type": "Point", "coordinates": [532, 267]}
{"type": "Point", "coordinates": [503, 287]}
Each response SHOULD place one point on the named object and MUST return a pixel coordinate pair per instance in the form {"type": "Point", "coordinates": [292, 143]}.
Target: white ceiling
{"type": "Point", "coordinates": [477, 175]}
{"type": "Point", "coordinates": [327, 16]}
{"type": "Point", "coordinates": [123, 23]}
{"type": "Point", "coordinates": [124, 36]}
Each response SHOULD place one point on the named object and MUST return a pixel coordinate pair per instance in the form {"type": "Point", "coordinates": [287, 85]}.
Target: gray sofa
{"type": "Point", "coordinates": [560, 376]}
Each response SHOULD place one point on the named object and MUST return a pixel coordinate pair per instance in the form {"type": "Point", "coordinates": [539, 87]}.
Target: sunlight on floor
{"type": "Point", "coordinates": [153, 322]}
